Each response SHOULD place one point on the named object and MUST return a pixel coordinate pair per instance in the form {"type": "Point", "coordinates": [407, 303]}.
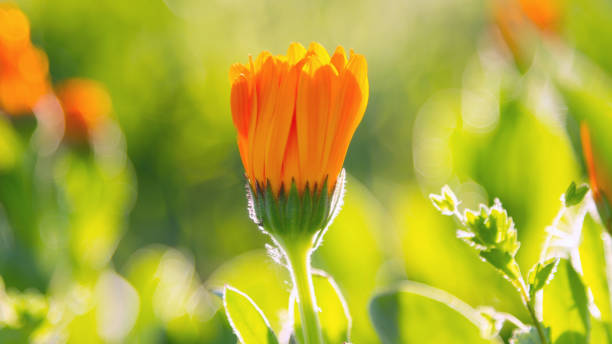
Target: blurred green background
{"type": "Point", "coordinates": [108, 247]}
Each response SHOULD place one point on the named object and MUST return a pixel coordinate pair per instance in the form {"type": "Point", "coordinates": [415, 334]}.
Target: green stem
{"type": "Point", "coordinates": [532, 313]}
{"type": "Point", "coordinates": [299, 261]}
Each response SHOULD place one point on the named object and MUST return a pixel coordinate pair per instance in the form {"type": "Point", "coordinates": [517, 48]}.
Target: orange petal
{"type": "Point", "coordinates": [243, 149]}
{"type": "Point", "coordinates": [352, 101]}
{"type": "Point", "coordinates": [318, 50]}
{"type": "Point", "coordinates": [236, 70]}
{"type": "Point", "coordinates": [267, 93]}
{"type": "Point", "coordinates": [241, 103]}
{"type": "Point", "coordinates": [261, 59]}
{"type": "Point", "coordinates": [295, 53]}
{"type": "Point", "coordinates": [339, 59]}
{"type": "Point", "coordinates": [291, 169]}
{"type": "Point", "coordinates": [280, 124]}
{"type": "Point", "coordinates": [308, 116]}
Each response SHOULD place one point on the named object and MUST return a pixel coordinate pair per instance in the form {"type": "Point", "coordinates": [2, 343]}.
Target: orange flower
{"type": "Point", "coordinates": [544, 14]}
{"type": "Point", "coordinates": [86, 104]}
{"type": "Point", "coordinates": [23, 67]}
{"type": "Point", "coordinates": [296, 114]}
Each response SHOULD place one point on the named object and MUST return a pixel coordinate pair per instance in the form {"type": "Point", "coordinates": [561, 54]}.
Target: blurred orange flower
{"type": "Point", "coordinates": [517, 21]}
{"type": "Point", "coordinates": [86, 104]}
{"type": "Point", "coordinates": [545, 14]}
{"type": "Point", "coordinates": [296, 114]}
{"type": "Point", "coordinates": [23, 67]}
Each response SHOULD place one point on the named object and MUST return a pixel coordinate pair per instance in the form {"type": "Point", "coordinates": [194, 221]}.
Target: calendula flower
{"type": "Point", "coordinates": [86, 104]}
{"type": "Point", "coordinates": [599, 173]}
{"type": "Point", "coordinates": [545, 14]}
{"type": "Point", "coordinates": [23, 67]}
{"type": "Point", "coordinates": [296, 114]}
{"type": "Point", "coordinates": [521, 22]}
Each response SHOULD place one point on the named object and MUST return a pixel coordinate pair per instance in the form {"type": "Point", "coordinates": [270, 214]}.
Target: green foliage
{"type": "Point", "coordinates": [490, 230]}
{"type": "Point", "coordinates": [566, 303]}
{"type": "Point", "coordinates": [541, 274]}
{"type": "Point", "coordinates": [579, 296]}
{"type": "Point", "coordinates": [528, 336]}
{"type": "Point", "coordinates": [416, 313]}
{"type": "Point", "coordinates": [473, 119]}
{"type": "Point", "coordinates": [334, 313]}
{"type": "Point", "coordinates": [447, 202]}
{"type": "Point", "coordinates": [574, 195]}
{"type": "Point", "coordinates": [249, 323]}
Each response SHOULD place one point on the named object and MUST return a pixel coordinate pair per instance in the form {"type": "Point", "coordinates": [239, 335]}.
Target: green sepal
{"type": "Point", "coordinates": [291, 213]}
{"type": "Point", "coordinates": [325, 202]}
{"type": "Point", "coordinates": [272, 214]}
{"type": "Point", "coordinates": [257, 209]}
{"type": "Point", "coordinates": [307, 207]}
{"type": "Point", "coordinates": [322, 207]}
{"type": "Point", "coordinates": [292, 208]}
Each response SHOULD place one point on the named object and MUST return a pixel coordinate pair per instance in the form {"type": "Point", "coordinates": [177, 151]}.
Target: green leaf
{"type": "Point", "coordinates": [267, 286]}
{"type": "Point", "coordinates": [334, 313]}
{"type": "Point", "coordinates": [499, 323]}
{"type": "Point", "coordinates": [446, 202]}
{"type": "Point", "coordinates": [248, 322]}
{"type": "Point", "coordinates": [502, 261]}
{"type": "Point", "coordinates": [529, 336]}
{"type": "Point", "coordinates": [417, 313]}
{"type": "Point", "coordinates": [579, 295]}
{"type": "Point", "coordinates": [571, 337]}
{"type": "Point", "coordinates": [541, 274]}
{"type": "Point", "coordinates": [566, 303]}
{"type": "Point", "coordinates": [574, 195]}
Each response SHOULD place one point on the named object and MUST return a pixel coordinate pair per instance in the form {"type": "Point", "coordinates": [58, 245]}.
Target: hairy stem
{"type": "Point", "coordinates": [529, 304]}
{"type": "Point", "coordinates": [298, 257]}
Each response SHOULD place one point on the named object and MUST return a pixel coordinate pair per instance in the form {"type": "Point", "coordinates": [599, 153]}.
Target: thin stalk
{"type": "Point", "coordinates": [532, 313]}
{"type": "Point", "coordinates": [299, 266]}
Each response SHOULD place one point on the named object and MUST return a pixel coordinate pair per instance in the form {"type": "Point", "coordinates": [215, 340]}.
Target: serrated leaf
{"type": "Point", "coordinates": [334, 314]}
{"type": "Point", "coordinates": [416, 313]}
{"type": "Point", "coordinates": [247, 320]}
{"type": "Point", "coordinates": [574, 195]}
{"type": "Point", "coordinates": [541, 274]}
{"type": "Point", "coordinates": [446, 202]}
{"type": "Point", "coordinates": [529, 336]}
{"type": "Point", "coordinates": [503, 261]}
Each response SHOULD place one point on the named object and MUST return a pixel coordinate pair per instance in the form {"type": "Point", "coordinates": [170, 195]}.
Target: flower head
{"type": "Point", "coordinates": [86, 104]}
{"type": "Point", "coordinates": [544, 14]}
{"type": "Point", "coordinates": [23, 67]}
{"type": "Point", "coordinates": [296, 114]}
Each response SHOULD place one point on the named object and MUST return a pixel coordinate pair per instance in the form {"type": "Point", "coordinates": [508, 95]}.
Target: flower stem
{"type": "Point", "coordinates": [298, 257]}
{"type": "Point", "coordinates": [529, 304]}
